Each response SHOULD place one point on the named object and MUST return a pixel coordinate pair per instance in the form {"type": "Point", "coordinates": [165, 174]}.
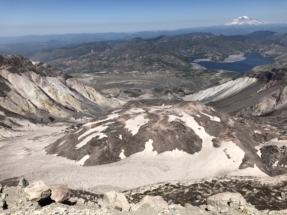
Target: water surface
{"type": "Point", "coordinates": [252, 60]}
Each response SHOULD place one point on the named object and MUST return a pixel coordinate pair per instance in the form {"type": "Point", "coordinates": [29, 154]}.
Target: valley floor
{"type": "Point", "coordinates": [25, 156]}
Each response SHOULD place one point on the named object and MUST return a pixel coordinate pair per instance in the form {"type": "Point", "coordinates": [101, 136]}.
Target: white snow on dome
{"type": "Point", "coordinates": [245, 20]}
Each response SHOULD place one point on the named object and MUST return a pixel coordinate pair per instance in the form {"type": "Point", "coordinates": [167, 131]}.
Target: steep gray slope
{"type": "Point", "coordinates": [254, 93]}
{"type": "Point", "coordinates": [41, 92]}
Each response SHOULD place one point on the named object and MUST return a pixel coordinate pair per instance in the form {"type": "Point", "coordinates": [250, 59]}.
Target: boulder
{"type": "Point", "coordinates": [225, 198]}
{"type": "Point", "coordinates": [109, 197]}
{"type": "Point", "coordinates": [1, 188]}
{"type": "Point", "coordinates": [80, 201]}
{"type": "Point", "coordinates": [151, 201]}
{"type": "Point", "coordinates": [60, 193]}
{"type": "Point", "coordinates": [116, 200]}
{"type": "Point", "coordinates": [198, 197]}
{"type": "Point", "coordinates": [23, 183]}
{"type": "Point", "coordinates": [37, 191]}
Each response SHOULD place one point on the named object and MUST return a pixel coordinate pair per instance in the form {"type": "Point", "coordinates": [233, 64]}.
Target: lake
{"type": "Point", "coordinates": [252, 60]}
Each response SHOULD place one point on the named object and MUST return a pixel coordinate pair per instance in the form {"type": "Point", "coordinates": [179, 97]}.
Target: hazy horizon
{"type": "Point", "coordinates": [32, 17]}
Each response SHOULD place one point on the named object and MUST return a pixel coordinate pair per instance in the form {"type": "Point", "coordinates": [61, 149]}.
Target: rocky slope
{"type": "Point", "coordinates": [42, 93]}
{"type": "Point", "coordinates": [256, 93]}
{"type": "Point", "coordinates": [190, 132]}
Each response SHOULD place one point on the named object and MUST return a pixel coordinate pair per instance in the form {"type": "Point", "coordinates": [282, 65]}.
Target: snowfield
{"type": "Point", "coordinates": [138, 169]}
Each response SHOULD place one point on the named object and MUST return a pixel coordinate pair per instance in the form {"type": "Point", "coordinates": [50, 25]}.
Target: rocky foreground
{"type": "Point", "coordinates": [39, 199]}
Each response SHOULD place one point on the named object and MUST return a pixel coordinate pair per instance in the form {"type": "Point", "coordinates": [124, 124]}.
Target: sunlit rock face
{"type": "Point", "coordinates": [222, 91]}
{"type": "Point", "coordinates": [256, 93]}
{"type": "Point", "coordinates": [39, 91]}
{"type": "Point", "coordinates": [190, 135]}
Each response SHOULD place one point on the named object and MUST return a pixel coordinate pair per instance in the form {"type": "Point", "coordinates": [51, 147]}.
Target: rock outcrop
{"type": "Point", "coordinates": [116, 200]}
{"type": "Point", "coordinates": [23, 183]}
{"type": "Point", "coordinates": [43, 93]}
{"type": "Point", "coordinates": [37, 191]}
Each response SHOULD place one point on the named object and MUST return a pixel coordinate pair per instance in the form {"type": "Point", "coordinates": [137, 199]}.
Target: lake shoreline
{"type": "Point", "coordinates": [229, 59]}
{"type": "Point", "coordinates": [237, 63]}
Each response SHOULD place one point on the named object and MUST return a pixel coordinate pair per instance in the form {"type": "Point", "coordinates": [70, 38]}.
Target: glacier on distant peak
{"type": "Point", "coordinates": [245, 20]}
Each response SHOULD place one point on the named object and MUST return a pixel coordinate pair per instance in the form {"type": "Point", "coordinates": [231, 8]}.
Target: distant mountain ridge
{"type": "Point", "coordinates": [145, 55]}
{"type": "Point", "coordinates": [269, 36]}
{"type": "Point", "coordinates": [226, 30]}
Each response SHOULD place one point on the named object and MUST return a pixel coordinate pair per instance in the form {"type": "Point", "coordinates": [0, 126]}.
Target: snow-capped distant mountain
{"type": "Point", "coordinates": [245, 20]}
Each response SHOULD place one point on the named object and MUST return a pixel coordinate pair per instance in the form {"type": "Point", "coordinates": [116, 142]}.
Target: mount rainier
{"type": "Point", "coordinates": [245, 20]}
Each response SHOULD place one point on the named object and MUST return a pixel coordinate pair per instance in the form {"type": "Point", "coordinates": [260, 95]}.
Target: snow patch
{"type": "Point", "coordinates": [213, 118]}
{"type": "Point", "coordinates": [159, 108]}
{"type": "Point", "coordinates": [120, 136]}
{"type": "Point", "coordinates": [78, 131]}
{"type": "Point", "coordinates": [149, 148]}
{"type": "Point", "coordinates": [135, 110]}
{"type": "Point", "coordinates": [98, 133]}
{"type": "Point", "coordinates": [122, 155]}
{"type": "Point", "coordinates": [34, 62]}
{"type": "Point", "coordinates": [115, 111]}
{"type": "Point", "coordinates": [111, 116]}
{"type": "Point", "coordinates": [148, 152]}
{"type": "Point", "coordinates": [83, 160]}
{"type": "Point", "coordinates": [98, 129]}
{"type": "Point", "coordinates": [258, 151]}
{"type": "Point", "coordinates": [245, 20]}
{"type": "Point", "coordinates": [210, 160]}
{"type": "Point", "coordinates": [257, 132]}
{"type": "Point", "coordinates": [275, 164]}
{"type": "Point", "coordinates": [134, 124]}
{"type": "Point", "coordinates": [87, 139]}
{"type": "Point", "coordinates": [62, 143]}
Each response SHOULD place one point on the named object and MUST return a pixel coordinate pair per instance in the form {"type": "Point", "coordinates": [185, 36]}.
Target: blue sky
{"type": "Point", "coordinates": [38, 17]}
